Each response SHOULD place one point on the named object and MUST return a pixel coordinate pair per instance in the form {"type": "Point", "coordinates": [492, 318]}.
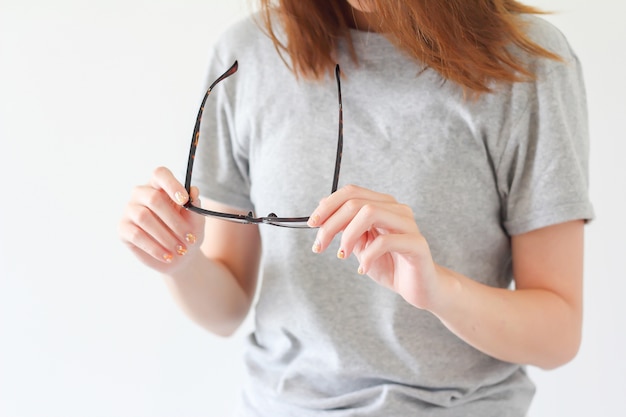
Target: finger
{"type": "Point", "coordinates": [158, 203]}
{"type": "Point", "coordinates": [195, 221]}
{"type": "Point", "coordinates": [412, 245]}
{"type": "Point", "coordinates": [150, 223]}
{"type": "Point", "coordinates": [163, 179]}
{"type": "Point", "coordinates": [389, 218]}
{"type": "Point", "coordinates": [148, 260]}
{"type": "Point", "coordinates": [345, 215]}
{"type": "Point", "coordinates": [195, 197]}
{"type": "Point", "coordinates": [333, 202]}
{"type": "Point", "coordinates": [141, 241]}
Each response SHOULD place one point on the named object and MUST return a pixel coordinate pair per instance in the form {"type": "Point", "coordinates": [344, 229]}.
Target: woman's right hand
{"type": "Point", "coordinates": [156, 226]}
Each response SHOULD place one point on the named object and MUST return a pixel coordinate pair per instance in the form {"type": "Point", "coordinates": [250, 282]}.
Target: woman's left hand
{"type": "Point", "coordinates": [538, 323]}
{"type": "Point", "coordinates": [384, 237]}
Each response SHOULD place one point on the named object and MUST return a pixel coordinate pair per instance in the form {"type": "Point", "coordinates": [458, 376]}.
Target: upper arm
{"type": "Point", "coordinates": [551, 259]}
{"type": "Point", "coordinates": [236, 246]}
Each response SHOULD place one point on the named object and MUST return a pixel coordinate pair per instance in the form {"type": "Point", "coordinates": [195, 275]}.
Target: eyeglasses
{"type": "Point", "coordinates": [272, 218]}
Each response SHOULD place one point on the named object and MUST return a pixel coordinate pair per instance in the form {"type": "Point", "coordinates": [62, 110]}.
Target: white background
{"type": "Point", "coordinates": [93, 96]}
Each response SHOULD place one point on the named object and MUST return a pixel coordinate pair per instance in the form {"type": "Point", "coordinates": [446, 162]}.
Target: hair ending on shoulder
{"type": "Point", "coordinates": [466, 41]}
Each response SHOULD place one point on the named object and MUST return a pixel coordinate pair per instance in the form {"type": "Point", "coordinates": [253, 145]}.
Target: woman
{"type": "Point", "coordinates": [462, 199]}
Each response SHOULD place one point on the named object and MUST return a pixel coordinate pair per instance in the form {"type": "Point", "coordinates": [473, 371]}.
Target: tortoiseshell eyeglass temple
{"type": "Point", "coordinates": [272, 219]}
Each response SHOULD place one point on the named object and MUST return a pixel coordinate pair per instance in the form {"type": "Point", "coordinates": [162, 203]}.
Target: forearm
{"type": "Point", "coordinates": [210, 295]}
{"type": "Point", "coordinates": [532, 326]}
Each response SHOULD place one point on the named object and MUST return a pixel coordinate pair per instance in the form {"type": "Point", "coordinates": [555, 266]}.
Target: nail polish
{"type": "Point", "coordinates": [167, 257]}
{"type": "Point", "coordinates": [314, 220]}
{"type": "Point", "coordinates": [317, 247]}
{"type": "Point", "coordinates": [181, 250]}
{"type": "Point", "coordinates": [179, 197]}
{"type": "Point", "coordinates": [190, 238]}
{"type": "Point", "coordinates": [341, 254]}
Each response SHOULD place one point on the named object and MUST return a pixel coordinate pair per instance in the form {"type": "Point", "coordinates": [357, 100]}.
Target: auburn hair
{"type": "Point", "coordinates": [466, 41]}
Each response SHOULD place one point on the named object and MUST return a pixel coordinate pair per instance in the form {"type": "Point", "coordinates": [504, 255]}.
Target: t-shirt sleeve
{"type": "Point", "coordinates": [543, 174]}
{"type": "Point", "coordinates": [221, 168]}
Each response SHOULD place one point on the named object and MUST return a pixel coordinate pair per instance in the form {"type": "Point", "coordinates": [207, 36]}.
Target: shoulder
{"type": "Point", "coordinates": [545, 33]}
{"type": "Point", "coordinates": [245, 38]}
{"type": "Point", "coordinates": [548, 36]}
{"type": "Point", "coordinates": [557, 81]}
{"type": "Point", "coordinates": [242, 31]}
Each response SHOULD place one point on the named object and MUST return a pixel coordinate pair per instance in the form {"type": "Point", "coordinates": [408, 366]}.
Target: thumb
{"type": "Point", "coordinates": [194, 196]}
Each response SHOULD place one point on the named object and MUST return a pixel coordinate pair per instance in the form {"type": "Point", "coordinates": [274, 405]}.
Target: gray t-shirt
{"type": "Point", "coordinates": [327, 341]}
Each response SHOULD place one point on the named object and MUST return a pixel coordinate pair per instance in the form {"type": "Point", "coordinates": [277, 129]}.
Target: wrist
{"type": "Point", "coordinates": [448, 294]}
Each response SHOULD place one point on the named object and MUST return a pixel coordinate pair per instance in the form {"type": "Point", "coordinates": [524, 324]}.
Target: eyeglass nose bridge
{"type": "Point", "coordinates": [275, 220]}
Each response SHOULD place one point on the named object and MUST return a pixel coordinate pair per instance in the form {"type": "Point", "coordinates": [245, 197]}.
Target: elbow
{"type": "Point", "coordinates": [561, 353]}
{"type": "Point", "coordinates": [563, 337]}
{"type": "Point", "coordinates": [222, 332]}
{"type": "Point", "coordinates": [225, 330]}
{"type": "Point", "coordinates": [227, 325]}
{"type": "Point", "coordinates": [556, 362]}
{"type": "Point", "coordinates": [222, 323]}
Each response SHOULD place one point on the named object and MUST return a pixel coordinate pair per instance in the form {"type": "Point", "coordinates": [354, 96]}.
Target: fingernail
{"type": "Point", "coordinates": [341, 254]}
{"type": "Point", "coordinates": [190, 238]}
{"type": "Point", "coordinates": [314, 220]}
{"type": "Point", "coordinates": [181, 250]}
{"type": "Point", "coordinates": [180, 197]}
{"type": "Point", "coordinates": [317, 247]}
{"type": "Point", "coordinates": [167, 257]}
{"type": "Point", "coordinates": [360, 271]}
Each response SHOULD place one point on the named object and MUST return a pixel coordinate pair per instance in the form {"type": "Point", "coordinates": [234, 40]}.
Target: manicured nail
{"type": "Point", "coordinates": [180, 197]}
{"type": "Point", "coordinates": [317, 247]}
{"type": "Point", "coordinates": [167, 257]}
{"type": "Point", "coordinates": [360, 271]}
{"type": "Point", "coordinates": [190, 238]}
{"type": "Point", "coordinates": [181, 250]}
{"type": "Point", "coordinates": [341, 254]}
{"type": "Point", "coordinates": [314, 220]}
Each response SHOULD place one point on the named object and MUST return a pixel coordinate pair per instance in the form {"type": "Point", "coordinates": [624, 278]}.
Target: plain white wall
{"type": "Point", "coordinates": [93, 96]}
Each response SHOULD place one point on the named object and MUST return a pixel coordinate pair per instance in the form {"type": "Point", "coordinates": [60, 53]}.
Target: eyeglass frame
{"type": "Point", "coordinates": [272, 218]}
